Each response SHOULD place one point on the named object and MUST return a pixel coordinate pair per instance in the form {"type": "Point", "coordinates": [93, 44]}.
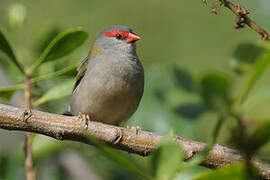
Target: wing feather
{"type": "Point", "coordinates": [81, 72]}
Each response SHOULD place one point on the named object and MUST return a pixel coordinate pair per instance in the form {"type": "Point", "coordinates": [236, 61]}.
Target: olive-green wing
{"type": "Point", "coordinates": [81, 72]}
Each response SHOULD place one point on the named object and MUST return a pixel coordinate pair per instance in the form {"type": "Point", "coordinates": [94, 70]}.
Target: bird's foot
{"type": "Point", "coordinates": [27, 113]}
{"type": "Point", "coordinates": [119, 135]}
{"type": "Point", "coordinates": [84, 118]}
{"type": "Point", "coordinates": [134, 129]}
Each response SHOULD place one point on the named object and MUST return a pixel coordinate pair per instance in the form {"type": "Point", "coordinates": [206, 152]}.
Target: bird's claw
{"type": "Point", "coordinates": [84, 118]}
{"type": "Point", "coordinates": [119, 136]}
{"type": "Point", "coordinates": [134, 129]}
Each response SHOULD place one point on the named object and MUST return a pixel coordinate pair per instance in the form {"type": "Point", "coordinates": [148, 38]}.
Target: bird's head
{"type": "Point", "coordinates": [116, 39]}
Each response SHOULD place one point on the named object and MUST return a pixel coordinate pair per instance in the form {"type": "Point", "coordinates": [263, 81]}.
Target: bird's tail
{"type": "Point", "coordinates": [67, 113]}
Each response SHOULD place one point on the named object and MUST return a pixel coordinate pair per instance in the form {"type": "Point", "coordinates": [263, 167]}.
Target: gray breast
{"type": "Point", "coordinates": [111, 89]}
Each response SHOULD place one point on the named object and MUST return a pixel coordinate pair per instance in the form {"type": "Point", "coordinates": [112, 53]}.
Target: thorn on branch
{"type": "Point", "coordinates": [27, 114]}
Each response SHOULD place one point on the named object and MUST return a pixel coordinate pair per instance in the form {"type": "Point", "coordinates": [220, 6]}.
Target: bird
{"type": "Point", "coordinates": [110, 80]}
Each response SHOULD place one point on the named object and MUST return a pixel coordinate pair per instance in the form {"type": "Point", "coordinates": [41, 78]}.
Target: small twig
{"type": "Point", "coordinates": [29, 166]}
{"type": "Point", "coordinates": [142, 142]}
{"type": "Point", "coordinates": [242, 18]}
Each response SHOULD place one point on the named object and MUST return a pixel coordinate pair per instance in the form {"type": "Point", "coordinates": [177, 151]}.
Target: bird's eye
{"type": "Point", "coordinates": [118, 36]}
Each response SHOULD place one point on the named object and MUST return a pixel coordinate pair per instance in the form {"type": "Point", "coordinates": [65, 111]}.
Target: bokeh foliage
{"type": "Point", "coordinates": [204, 80]}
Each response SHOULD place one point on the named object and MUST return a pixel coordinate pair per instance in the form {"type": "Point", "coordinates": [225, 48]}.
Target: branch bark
{"type": "Point", "coordinates": [141, 142]}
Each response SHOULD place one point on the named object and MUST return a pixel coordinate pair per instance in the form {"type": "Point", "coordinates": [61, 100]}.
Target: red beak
{"type": "Point", "coordinates": [132, 37]}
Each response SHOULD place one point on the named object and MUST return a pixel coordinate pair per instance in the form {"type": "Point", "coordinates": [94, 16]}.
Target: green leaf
{"type": "Point", "coordinates": [12, 163]}
{"type": "Point", "coordinates": [209, 145]}
{"type": "Point", "coordinates": [116, 157]}
{"type": "Point", "coordinates": [7, 92]}
{"type": "Point", "coordinates": [244, 56]}
{"type": "Point", "coordinates": [43, 147]}
{"type": "Point", "coordinates": [191, 172]}
{"type": "Point", "coordinates": [45, 40]}
{"type": "Point", "coordinates": [6, 95]}
{"type": "Point", "coordinates": [159, 94]}
{"type": "Point", "coordinates": [261, 135]}
{"type": "Point", "coordinates": [3, 165]}
{"type": "Point", "coordinates": [167, 158]}
{"type": "Point", "coordinates": [61, 45]}
{"type": "Point", "coordinates": [184, 79]}
{"type": "Point", "coordinates": [5, 47]}
{"type": "Point", "coordinates": [257, 101]}
{"type": "Point", "coordinates": [57, 92]}
{"type": "Point", "coordinates": [10, 70]}
{"type": "Point", "coordinates": [235, 172]}
{"type": "Point", "coordinates": [63, 72]}
{"type": "Point", "coordinates": [249, 139]}
{"type": "Point", "coordinates": [66, 71]}
{"type": "Point", "coordinates": [215, 89]}
{"type": "Point", "coordinates": [190, 110]}
{"type": "Point", "coordinates": [259, 68]}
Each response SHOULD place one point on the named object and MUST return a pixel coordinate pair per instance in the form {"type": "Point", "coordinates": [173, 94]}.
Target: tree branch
{"type": "Point", "coordinates": [141, 142]}
{"type": "Point", "coordinates": [242, 18]}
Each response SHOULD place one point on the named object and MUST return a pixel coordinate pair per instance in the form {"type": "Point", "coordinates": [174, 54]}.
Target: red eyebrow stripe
{"type": "Point", "coordinates": [113, 33]}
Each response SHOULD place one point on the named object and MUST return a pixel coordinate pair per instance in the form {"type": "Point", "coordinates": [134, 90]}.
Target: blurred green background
{"type": "Point", "coordinates": [176, 34]}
